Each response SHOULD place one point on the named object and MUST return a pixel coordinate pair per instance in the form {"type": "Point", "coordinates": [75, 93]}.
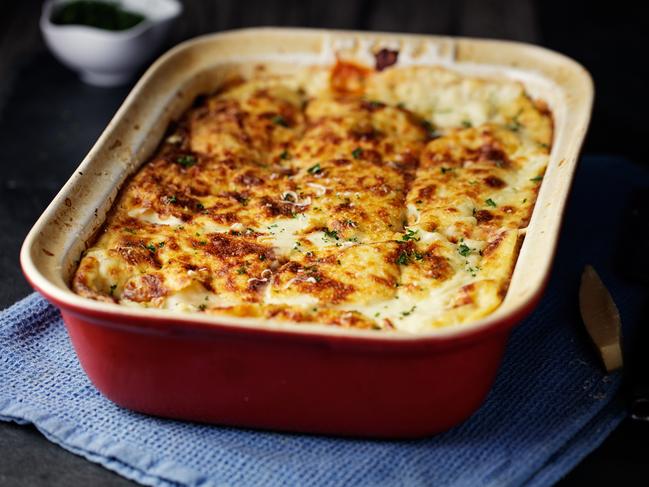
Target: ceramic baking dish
{"type": "Point", "coordinates": [306, 378]}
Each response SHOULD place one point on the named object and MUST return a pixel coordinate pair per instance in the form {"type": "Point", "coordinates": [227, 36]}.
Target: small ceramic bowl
{"type": "Point", "coordinates": [109, 58]}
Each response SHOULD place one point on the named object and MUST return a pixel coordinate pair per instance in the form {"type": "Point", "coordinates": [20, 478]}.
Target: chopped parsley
{"type": "Point", "coordinates": [315, 169]}
{"type": "Point", "coordinates": [410, 235]}
{"type": "Point", "coordinates": [112, 288]}
{"type": "Point", "coordinates": [428, 127]}
{"type": "Point", "coordinates": [262, 257]}
{"type": "Point", "coordinates": [202, 307]}
{"type": "Point", "coordinates": [406, 258]}
{"type": "Point", "coordinates": [333, 234]}
{"type": "Point", "coordinates": [467, 124]}
{"type": "Point", "coordinates": [279, 120]}
{"type": "Point", "coordinates": [472, 270]}
{"type": "Point", "coordinates": [151, 248]}
{"type": "Point", "coordinates": [408, 312]}
{"type": "Point", "coordinates": [444, 170]}
{"type": "Point", "coordinates": [403, 258]}
{"type": "Point", "coordinates": [490, 202]}
{"type": "Point", "coordinates": [186, 160]}
{"type": "Point", "coordinates": [536, 179]}
{"type": "Point", "coordinates": [284, 155]}
{"type": "Point", "coordinates": [171, 199]}
{"type": "Point", "coordinates": [161, 244]}
{"type": "Point", "coordinates": [515, 125]}
{"type": "Point", "coordinates": [200, 207]}
{"type": "Point", "coordinates": [464, 250]}
{"type": "Point", "coordinates": [242, 270]}
{"type": "Point", "coordinates": [357, 153]}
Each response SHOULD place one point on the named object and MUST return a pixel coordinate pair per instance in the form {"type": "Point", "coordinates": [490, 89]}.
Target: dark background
{"type": "Point", "coordinates": [49, 120]}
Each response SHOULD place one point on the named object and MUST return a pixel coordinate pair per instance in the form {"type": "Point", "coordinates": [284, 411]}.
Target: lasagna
{"type": "Point", "coordinates": [384, 198]}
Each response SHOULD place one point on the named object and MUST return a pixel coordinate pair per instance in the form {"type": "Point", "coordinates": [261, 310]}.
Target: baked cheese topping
{"type": "Point", "coordinates": [387, 199]}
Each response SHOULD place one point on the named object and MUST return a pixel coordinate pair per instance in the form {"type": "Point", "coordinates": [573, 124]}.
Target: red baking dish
{"type": "Point", "coordinates": [264, 374]}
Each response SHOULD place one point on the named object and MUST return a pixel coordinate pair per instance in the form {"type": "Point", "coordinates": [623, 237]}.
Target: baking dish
{"type": "Point", "coordinates": [275, 375]}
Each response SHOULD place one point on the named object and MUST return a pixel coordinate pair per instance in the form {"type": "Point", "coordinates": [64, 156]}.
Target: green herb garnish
{"type": "Point", "coordinates": [464, 250]}
{"type": "Point", "coordinates": [536, 179]}
{"type": "Point", "coordinates": [333, 234]}
{"type": "Point", "coordinates": [410, 235]}
{"type": "Point", "coordinates": [357, 153]}
{"type": "Point", "coordinates": [403, 258]}
{"type": "Point", "coordinates": [428, 127]}
{"type": "Point", "coordinates": [408, 312]}
{"type": "Point", "coordinates": [515, 125]}
{"type": "Point", "coordinates": [279, 120]}
{"type": "Point", "coordinates": [186, 160]}
{"type": "Point", "coordinates": [490, 202]}
{"type": "Point", "coordinates": [315, 169]}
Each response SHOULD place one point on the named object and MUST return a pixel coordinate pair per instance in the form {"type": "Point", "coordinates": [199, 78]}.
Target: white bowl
{"type": "Point", "coordinates": [108, 58]}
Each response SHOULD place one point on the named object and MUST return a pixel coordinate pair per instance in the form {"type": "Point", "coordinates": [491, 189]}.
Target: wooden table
{"type": "Point", "coordinates": [49, 120]}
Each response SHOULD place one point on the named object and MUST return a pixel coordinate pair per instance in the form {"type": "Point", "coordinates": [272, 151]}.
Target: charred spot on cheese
{"type": "Point", "coordinates": [224, 246]}
{"type": "Point", "coordinates": [385, 58]}
{"type": "Point", "coordinates": [494, 182]}
{"type": "Point", "coordinates": [353, 196]}
{"type": "Point", "coordinates": [249, 178]}
{"type": "Point", "coordinates": [144, 288]}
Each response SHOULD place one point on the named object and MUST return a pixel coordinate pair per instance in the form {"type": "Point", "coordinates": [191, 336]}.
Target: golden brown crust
{"type": "Point", "coordinates": [356, 206]}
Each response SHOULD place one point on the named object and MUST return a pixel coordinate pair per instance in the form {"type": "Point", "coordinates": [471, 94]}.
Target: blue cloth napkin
{"type": "Point", "coordinates": [551, 404]}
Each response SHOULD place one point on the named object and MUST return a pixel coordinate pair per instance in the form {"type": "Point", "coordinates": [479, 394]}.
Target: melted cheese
{"type": "Point", "coordinates": [385, 200]}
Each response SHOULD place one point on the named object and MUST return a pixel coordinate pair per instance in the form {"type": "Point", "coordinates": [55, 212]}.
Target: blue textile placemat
{"type": "Point", "coordinates": [551, 404]}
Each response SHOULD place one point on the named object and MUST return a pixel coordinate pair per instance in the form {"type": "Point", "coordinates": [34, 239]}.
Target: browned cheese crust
{"type": "Point", "coordinates": [385, 200]}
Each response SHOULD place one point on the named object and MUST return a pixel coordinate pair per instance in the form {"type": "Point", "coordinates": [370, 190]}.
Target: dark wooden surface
{"type": "Point", "coordinates": [49, 120]}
